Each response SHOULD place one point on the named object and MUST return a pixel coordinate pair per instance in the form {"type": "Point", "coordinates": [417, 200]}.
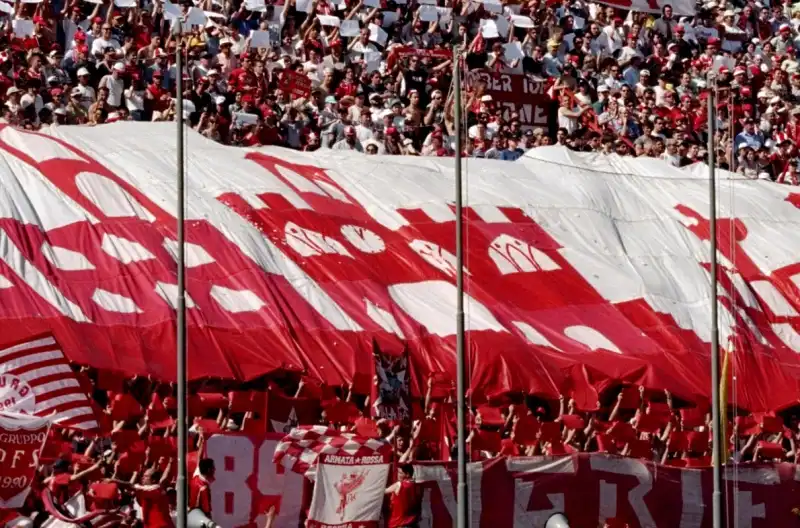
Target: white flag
{"type": "Point", "coordinates": [349, 490]}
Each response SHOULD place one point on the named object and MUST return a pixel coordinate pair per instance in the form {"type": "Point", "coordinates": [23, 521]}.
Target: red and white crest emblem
{"type": "Point", "coordinates": [346, 487]}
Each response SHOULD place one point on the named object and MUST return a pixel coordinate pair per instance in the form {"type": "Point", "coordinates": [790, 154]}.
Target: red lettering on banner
{"type": "Point", "coordinates": [21, 440]}
{"type": "Point", "coordinates": [525, 491]}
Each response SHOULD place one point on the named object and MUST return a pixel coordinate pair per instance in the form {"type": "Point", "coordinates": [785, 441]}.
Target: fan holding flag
{"type": "Point", "coordinates": [350, 474]}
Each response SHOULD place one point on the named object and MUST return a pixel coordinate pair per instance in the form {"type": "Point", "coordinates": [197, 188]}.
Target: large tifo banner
{"type": "Point", "coordinates": [520, 492]}
{"type": "Point", "coordinates": [521, 94]}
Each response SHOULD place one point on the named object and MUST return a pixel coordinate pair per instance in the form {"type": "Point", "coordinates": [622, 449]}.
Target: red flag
{"type": "Point", "coordinates": [284, 412]}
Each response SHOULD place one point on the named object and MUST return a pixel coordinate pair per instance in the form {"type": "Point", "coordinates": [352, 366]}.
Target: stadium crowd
{"type": "Point", "coordinates": [129, 466]}
{"type": "Point", "coordinates": [375, 76]}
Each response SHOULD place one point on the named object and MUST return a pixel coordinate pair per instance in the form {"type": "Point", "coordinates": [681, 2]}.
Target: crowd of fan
{"type": "Point", "coordinates": [133, 460]}
{"type": "Point", "coordinates": [379, 74]}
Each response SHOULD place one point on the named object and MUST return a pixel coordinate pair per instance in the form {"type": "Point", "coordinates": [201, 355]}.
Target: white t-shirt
{"type": "Point", "coordinates": [88, 95]}
{"type": "Point", "coordinates": [100, 44]}
{"type": "Point", "coordinates": [115, 89]}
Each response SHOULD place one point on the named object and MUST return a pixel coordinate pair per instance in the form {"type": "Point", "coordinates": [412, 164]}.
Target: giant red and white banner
{"type": "Point", "coordinates": [21, 440]}
{"type": "Point", "coordinates": [583, 271]}
{"type": "Point", "coordinates": [521, 492]}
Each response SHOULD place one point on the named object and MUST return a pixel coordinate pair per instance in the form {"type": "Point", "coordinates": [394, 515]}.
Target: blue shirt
{"type": "Point", "coordinates": [511, 155]}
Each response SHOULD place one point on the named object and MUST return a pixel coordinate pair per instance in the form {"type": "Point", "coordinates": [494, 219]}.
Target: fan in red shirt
{"type": "Point", "coordinates": [405, 500]}
{"type": "Point", "coordinates": [199, 487]}
{"type": "Point", "coordinates": [153, 499]}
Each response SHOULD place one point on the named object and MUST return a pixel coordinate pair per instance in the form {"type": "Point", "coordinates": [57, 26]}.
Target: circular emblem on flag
{"type": "Point", "coordinates": [16, 395]}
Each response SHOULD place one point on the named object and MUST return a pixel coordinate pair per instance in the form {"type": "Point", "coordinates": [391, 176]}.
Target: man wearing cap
{"type": "Point", "coordinates": [749, 136]}
{"type": "Point", "coordinates": [85, 90]}
{"type": "Point", "coordinates": [114, 84]}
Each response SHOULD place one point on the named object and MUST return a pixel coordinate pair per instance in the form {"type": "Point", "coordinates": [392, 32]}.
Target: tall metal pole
{"type": "Point", "coordinates": [461, 369]}
{"type": "Point", "coordinates": [716, 439]}
{"type": "Point", "coordinates": [183, 495]}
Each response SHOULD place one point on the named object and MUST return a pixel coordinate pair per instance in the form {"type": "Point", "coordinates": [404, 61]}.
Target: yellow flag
{"type": "Point", "coordinates": [723, 405]}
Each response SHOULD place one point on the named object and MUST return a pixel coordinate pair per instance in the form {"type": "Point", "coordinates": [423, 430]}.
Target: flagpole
{"type": "Point", "coordinates": [183, 496]}
{"type": "Point", "coordinates": [716, 438]}
{"type": "Point", "coordinates": [461, 374]}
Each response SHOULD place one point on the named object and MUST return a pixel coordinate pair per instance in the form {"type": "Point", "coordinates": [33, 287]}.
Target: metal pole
{"type": "Point", "coordinates": [716, 439]}
{"type": "Point", "coordinates": [462, 518]}
{"type": "Point", "coordinates": [732, 128]}
{"type": "Point", "coordinates": [183, 495]}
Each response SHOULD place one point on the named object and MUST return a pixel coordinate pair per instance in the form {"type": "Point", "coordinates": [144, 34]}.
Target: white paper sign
{"type": "Point", "coordinates": [125, 3]}
{"type": "Point", "coordinates": [492, 6]}
{"type": "Point", "coordinates": [377, 35]}
{"type": "Point", "coordinates": [489, 29]}
{"type": "Point", "coordinates": [23, 28]}
{"type": "Point", "coordinates": [214, 14]}
{"type": "Point", "coordinates": [171, 11]}
{"type": "Point", "coordinates": [303, 6]}
{"type": "Point", "coordinates": [522, 21]}
{"type": "Point", "coordinates": [196, 17]}
{"type": "Point", "coordinates": [5, 8]}
{"type": "Point", "coordinates": [243, 118]}
{"type": "Point", "coordinates": [389, 18]}
{"type": "Point", "coordinates": [329, 20]}
{"type": "Point", "coordinates": [427, 2]}
{"type": "Point", "coordinates": [372, 59]}
{"type": "Point", "coordinates": [372, 3]}
{"type": "Point", "coordinates": [259, 6]}
{"type": "Point", "coordinates": [513, 51]}
{"type": "Point", "coordinates": [428, 13]}
{"type": "Point", "coordinates": [349, 28]}
{"type": "Point", "coordinates": [400, 2]}
{"type": "Point", "coordinates": [259, 39]}
{"type": "Point", "coordinates": [578, 22]}
{"type": "Point", "coordinates": [502, 26]}
{"type": "Point", "coordinates": [31, 1]}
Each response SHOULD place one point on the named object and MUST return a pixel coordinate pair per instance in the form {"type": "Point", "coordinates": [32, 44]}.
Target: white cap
{"type": "Point", "coordinates": [52, 79]}
{"type": "Point", "coordinates": [60, 111]}
{"type": "Point", "coordinates": [119, 67]}
{"type": "Point", "coordinates": [219, 100]}
{"type": "Point", "coordinates": [212, 71]}
{"type": "Point", "coordinates": [82, 72]}
{"type": "Point", "coordinates": [602, 88]}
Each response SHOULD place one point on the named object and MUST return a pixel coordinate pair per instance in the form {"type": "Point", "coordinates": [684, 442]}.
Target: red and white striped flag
{"type": "Point", "coordinates": [300, 449]}
{"type": "Point", "coordinates": [35, 378]}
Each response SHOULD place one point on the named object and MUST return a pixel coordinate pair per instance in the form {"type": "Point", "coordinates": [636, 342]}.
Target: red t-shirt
{"type": "Point", "coordinates": [405, 505]}
{"type": "Point", "coordinates": [155, 507]}
{"type": "Point", "coordinates": [200, 494]}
